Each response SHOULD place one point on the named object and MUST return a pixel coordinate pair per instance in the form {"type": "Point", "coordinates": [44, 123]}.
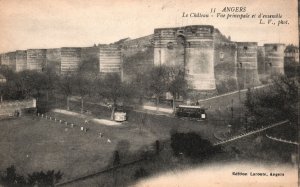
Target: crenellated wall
{"type": "Point", "coordinates": [225, 54]}
{"type": "Point", "coordinates": [36, 59]}
{"type": "Point", "coordinates": [199, 58]}
{"type": "Point", "coordinates": [53, 59]}
{"type": "Point", "coordinates": [137, 55]}
{"type": "Point", "coordinates": [169, 47]}
{"type": "Point", "coordinates": [5, 59]}
{"type": "Point", "coordinates": [263, 77]}
{"type": "Point", "coordinates": [12, 60]}
{"type": "Point", "coordinates": [191, 48]}
{"type": "Point", "coordinates": [90, 60]}
{"type": "Point", "coordinates": [110, 59]}
{"type": "Point", "coordinates": [21, 61]}
{"type": "Point", "coordinates": [212, 62]}
{"type": "Point", "coordinates": [70, 59]}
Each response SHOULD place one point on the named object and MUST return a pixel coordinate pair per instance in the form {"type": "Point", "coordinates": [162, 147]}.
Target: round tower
{"type": "Point", "coordinates": [274, 59]}
{"type": "Point", "coordinates": [247, 73]}
{"type": "Point", "coordinates": [169, 47]}
{"type": "Point", "coordinates": [199, 57]}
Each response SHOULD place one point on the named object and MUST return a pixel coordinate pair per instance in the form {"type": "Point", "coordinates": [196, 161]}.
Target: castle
{"type": "Point", "coordinates": [210, 59]}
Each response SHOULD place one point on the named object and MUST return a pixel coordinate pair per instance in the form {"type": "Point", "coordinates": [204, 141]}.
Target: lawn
{"type": "Point", "coordinates": [34, 143]}
{"type": "Point", "coordinates": [39, 144]}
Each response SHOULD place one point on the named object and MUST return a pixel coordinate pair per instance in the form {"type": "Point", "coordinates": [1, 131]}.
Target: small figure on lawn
{"type": "Point", "coordinates": [116, 158]}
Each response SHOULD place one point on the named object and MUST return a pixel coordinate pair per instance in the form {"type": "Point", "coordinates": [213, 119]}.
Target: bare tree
{"type": "Point", "coordinates": [66, 86]}
{"type": "Point", "coordinates": [113, 89]}
{"type": "Point", "coordinates": [158, 79]}
{"type": "Point", "coordinates": [177, 85]}
{"type": "Point", "coordinates": [51, 79]}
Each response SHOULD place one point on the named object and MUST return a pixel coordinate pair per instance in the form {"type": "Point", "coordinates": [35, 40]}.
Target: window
{"type": "Point", "coordinates": [180, 40]}
{"type": "Point", "coordinates": [170, 45]}
{"type": "Point", "coordinates": [180, 31]}
{"type": "Point", "coordinates": [221, 56]}
{"type": "Point", "coordinates": [194, 30]}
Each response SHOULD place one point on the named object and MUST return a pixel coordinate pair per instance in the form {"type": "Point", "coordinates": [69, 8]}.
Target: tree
{"type": "Point", "coordinates": [12, 178]}
{"type": "Point", "coordinates": [41, 178]}
{"type": "Point", "coordinates": [139, 85]}
{"type": "Point", "coordinates": [66, 86]}
{"type": "Point", "coordinates": [85, 78]}
{"type": "Point", "coordinates": [278, 102]}
{"type": "Point", "coordinates": [142, 121]}
{"type": "Point", "coordinates": [31, 83]}
{"type": "Point", "coordinates": [82, 87]}
{"type": "Point", "coordinates": [158, 79]}
{"type": "Point", "coordinates": [2, 87]}
{"type": "Point", "coordinates": [113, 89]}
{"type": "Point", "coordinates": [5, 73]}
{"type": "Point", "coordinates": [192, 145]}
{"type": "Point", "coordinates": [178, 85]}
{"type": "Point", "coordinates": [51, 78]}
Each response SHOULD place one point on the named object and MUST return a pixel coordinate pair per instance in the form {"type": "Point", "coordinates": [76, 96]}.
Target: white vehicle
{"type": "Point", "coordinates": [120, 116]}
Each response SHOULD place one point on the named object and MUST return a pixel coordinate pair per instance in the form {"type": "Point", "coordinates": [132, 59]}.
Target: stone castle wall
{"type": "Point", "coordinates": [21, 60]}
{"type": "Point", "coordinates": [274, 58]}
{"type": "Point", "coordinates": [225, 54]}
{"type": "Point", "coordinates": [36, 59]}
{"type": "Point", "coordinates": [247, 69]}
{"type": "Point", "coordinates": [169, 47]}
{"type": "Point", "coordinates": [110, 59]}
{"type": "Point", "coordinates": [212, 62]}
{"type": "Point", "coordinates": [90, 61]}
{"type": "Point", "coordinates": [191, 48]}
{"type": "Point", "coordinates": [70, 59]}
{"type": "Point", "coordinates": [53, 59]}
{"type": "Point", "coordinates": [12, 60]}
{"type": "Point", "coordinates": [137, 56]}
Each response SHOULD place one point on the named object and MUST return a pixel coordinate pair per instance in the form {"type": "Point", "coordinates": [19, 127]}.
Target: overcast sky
{"type": "Point", "coordinates": [58, 23]}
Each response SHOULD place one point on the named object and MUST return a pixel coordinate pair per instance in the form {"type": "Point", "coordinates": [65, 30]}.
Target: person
{"type": "Point", "coordinates": [197, 103]}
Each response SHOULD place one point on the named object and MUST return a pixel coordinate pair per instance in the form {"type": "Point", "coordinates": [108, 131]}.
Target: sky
{"type": "Point", "coordinates": [80, 23]}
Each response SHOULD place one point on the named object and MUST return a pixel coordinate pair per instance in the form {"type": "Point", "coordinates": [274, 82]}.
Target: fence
{"type": "Point", "coordinates": [281, 140]}
{"type": "Point", "coordinates": [250, 133]}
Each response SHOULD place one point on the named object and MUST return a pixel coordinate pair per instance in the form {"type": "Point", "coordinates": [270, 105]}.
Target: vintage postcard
{"type": "Point", "coordinates": [149, 93]}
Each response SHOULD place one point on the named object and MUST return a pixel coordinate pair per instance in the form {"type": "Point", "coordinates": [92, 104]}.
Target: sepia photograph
{"type": "Point", "coordinates": [149, 93]}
